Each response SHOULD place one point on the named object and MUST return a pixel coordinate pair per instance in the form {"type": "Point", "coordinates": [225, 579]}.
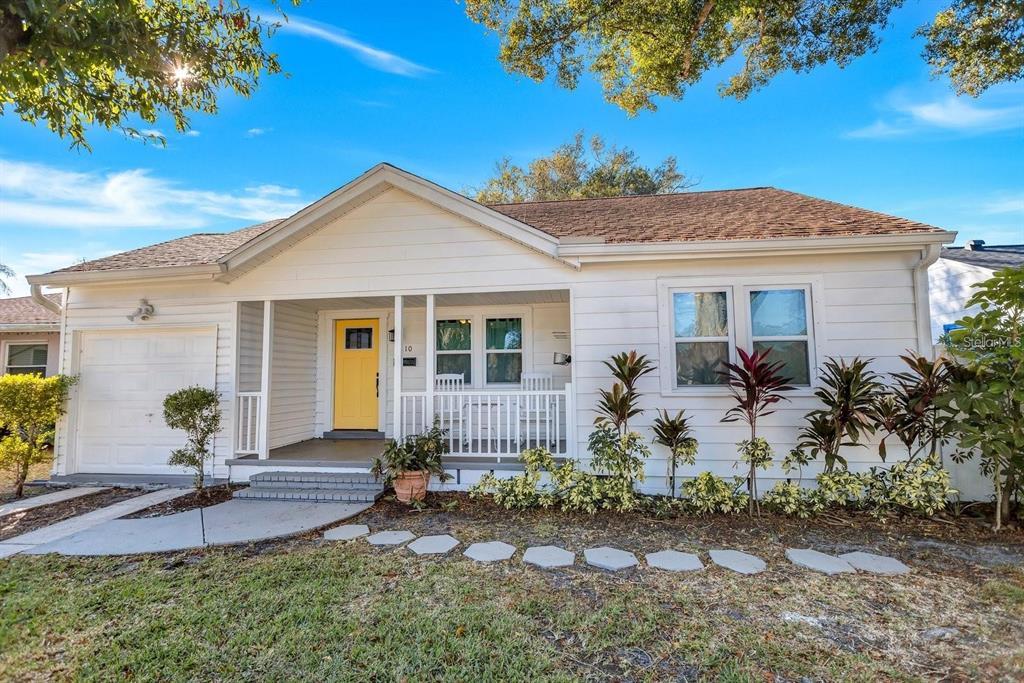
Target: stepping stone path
{"type": "Point", "coordinates": [346, 532]}
{"type": "Point", "coordinates": [819, 562]}
{"type": "Point", "coordinates": [549, 556]}
{"type": "Point", "coordinates": [738, 561]}
{"type": "Point", "coordinates": [875, 564]}
{"type": "Point", "coordinates": [433, 545]}
{"type": "Point", "coordinates": [390, 537]}
{"type": "Point", "coordinates": [611, 559]}
{"type": "Point", "coordinates": [495, 551]}
{"type": "Point", "coordinates": [674, 561]}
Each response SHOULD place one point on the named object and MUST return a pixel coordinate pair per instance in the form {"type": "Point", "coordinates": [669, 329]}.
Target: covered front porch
{"type": "Point", "coordinates": [324, 383]}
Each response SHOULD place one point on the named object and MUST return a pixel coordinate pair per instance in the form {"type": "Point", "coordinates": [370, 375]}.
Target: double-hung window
{"type": "Point", "coordinates": [779, 323]}
{"type": "Point", "coordinates": [504, 350]}
{"type": "Point", "coordinates": [455, 348]}
{"type": "Point", "coordinates": [706, 325]}
{"type": "Point", "coordinates": [701, 336]}
{"type": "Point", "coordinates": [24, 359]}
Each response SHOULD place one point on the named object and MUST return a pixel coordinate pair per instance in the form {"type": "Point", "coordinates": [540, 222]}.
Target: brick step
{"type": "Point", "coordinates": [313, 477]}
{"type": "Point", "coordinates": [308, 495]}
{"type": "Point", "coordinates": [318, 485]}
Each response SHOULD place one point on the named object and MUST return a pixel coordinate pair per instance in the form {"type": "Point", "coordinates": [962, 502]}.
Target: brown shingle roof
{"type": "Point", "coordinates": [23, 311]}
{"type": "Point", "coordinates": [191, 250]}
{"type": "Point", "coordinates": [755, 213]}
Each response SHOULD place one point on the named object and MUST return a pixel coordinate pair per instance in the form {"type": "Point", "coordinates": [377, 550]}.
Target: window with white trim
{"type": "Point", "coordinates": [701, 336]}
{"type": "Point", "coordinates": [503, 346]}
{"type": "Point", "coordinates": [455, 348]}
{"type": "Point", "coordinates": [779, 322]}
{"type": "Point", "coordinates": [707, 324]}
{"type": "Point", "coordinates": [24, 359]}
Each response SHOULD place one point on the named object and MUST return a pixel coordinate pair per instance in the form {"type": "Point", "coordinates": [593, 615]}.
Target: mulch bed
{"type": "Point", "coordinates": [36, 518]}
{"type": "Point", "coordinates": [211, 495]}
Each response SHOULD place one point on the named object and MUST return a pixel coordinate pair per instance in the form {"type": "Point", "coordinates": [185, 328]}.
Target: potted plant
{"type": "Point", "coordinates": [407, 465]}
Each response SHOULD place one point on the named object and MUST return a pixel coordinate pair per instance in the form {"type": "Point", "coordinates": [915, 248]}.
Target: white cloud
{"type": "Point", "coordinates": [192, 133]}
{"type": "Point", "coordinates": [256, 132]}
{"type": "Point", "coordinates": [46, 196]}
{"type": "Point", "coordinates": [382, 60]}
{"type": "Point", "coordinates": [951, 114]}
{"type": "Point", "coordinates": [1012, 204]}
{"type": "Point", "coordinates": [32, 263]}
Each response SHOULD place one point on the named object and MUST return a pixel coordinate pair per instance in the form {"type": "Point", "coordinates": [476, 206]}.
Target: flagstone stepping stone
{"type": "Point", "coordinates": [549, 556]}
{"type": "Point", "coordinates": [674, 561]}
{"type": "Point", "coordinates": [494, 551]}
{"type": "Point", "coordinates": [738, 561]}
{"type": "Point", "coordinates": [390, 537]}
{"type": "Point", "coordinates": [611, 559]}
{"type": "Point", "coordinates": [346, 532]}
{"type": "Point", "coordinates": [875, 564]}
{"type": "Point", "coordinates": [433, 545]}
{"type": "Point", "coordinates": [819, 562]}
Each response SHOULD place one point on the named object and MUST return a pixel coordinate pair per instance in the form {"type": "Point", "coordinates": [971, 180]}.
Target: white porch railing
{"type": "Point", "coordinates": [494, 423]}
{"type": "Point", "coordinates": [247, 440]}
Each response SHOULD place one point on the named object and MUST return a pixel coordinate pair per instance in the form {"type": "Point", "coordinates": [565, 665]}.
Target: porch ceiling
{"type": "Point", "coordinates": [546, 296]}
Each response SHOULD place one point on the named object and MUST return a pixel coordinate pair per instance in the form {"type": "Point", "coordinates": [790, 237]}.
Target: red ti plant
{"type": "Point", "coordinates": [757, 384]}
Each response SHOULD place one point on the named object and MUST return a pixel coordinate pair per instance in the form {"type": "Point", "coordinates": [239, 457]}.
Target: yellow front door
{"type": "Point", "coordinates": [356, 348]}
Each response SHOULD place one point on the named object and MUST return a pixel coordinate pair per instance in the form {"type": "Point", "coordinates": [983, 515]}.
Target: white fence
{"type": "Point", "coordinates": [494, 423]}
{"type": "Point", "coordinates": [247, 438]}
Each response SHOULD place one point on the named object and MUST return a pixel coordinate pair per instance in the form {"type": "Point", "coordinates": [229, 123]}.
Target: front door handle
{"type": "Point", "coordinates": [377, 385]}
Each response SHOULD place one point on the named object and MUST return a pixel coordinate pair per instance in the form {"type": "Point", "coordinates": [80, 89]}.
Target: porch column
{"type": "Point", "coordinates": [431, 362]}
{"type": "Point", "coordinates": [397, 372]}
{"type": "Point", "coordinates": [267, 348]}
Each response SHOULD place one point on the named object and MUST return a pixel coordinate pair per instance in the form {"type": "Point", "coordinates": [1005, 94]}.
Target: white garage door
{"type": "Point", "coordinates": [124, 379]}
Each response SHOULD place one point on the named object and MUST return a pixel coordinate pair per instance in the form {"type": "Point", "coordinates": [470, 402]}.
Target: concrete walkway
{"type": "Point", "coordinates": [234, 521]}
{"type": "Point", "coordinates": [24, 504]}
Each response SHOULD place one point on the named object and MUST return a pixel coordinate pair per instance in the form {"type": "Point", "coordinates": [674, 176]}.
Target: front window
{"type": "Point", "coordinates": [701, 336]}
{"type": "Point", "coordinates": [778, 322]}
{"type": "Point", "coordinates": [24, 359]}
{"type": "Point", "coordinates": [455, 348]}
{"type": "Point", "coordinates": [504, 350]}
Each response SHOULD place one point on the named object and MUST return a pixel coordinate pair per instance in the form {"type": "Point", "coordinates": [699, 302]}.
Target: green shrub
{"type": "Point", "coordinates": [30, 406]}
{"type": "Point", "coordinates": [674, 434]}
{"type": "Point", "coordinates": [707, 494]}
{"type": "Point", "coordinates": [841, 488]}
{"type": "Point", "coordinates": [523, 491]}
{"type": "Point", "coordinates": [196, 411]}
{"type": "Point", "coordinates": [791, 499]}
{"type": "Point", "coordinates": [416, 453]}
{"type": "Point", "coordinates": [921, 487]}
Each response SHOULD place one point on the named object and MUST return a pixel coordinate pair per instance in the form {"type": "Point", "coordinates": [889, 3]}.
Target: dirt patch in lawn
{"type": "Point", "coordinates": [36, 518]}
{"type": "Point", "coordinates": [211, 495]}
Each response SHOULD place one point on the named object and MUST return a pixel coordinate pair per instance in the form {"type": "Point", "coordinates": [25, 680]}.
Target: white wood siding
{"type": "Point", "coordinates": [250, 345]}
{"type": "Point", "coordinates": [293, 375]}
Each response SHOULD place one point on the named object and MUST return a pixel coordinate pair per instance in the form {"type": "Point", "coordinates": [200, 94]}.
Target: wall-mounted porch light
{"type": "Point", "coordinates": [561, 358]}
{"type": "Point", "coordinates": [391, 335]}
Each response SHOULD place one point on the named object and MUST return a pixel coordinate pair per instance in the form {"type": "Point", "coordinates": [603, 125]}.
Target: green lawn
{"type": "Point", "coordinates": [305, 611]}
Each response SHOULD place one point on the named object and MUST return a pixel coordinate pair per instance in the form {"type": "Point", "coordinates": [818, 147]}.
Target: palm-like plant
{"type": "Point", "coordinates": [618, 404]}
{"type": "Point", "coordinates": [757, 384]}
{"type": "Point", "coordinates": [849, 393]}
{"type": "Point", "coordinates": [5, 272]}
{"type": "Point", "coordinates": [913, 409]}
{"type": "Point", "coordinates": [673, 432]}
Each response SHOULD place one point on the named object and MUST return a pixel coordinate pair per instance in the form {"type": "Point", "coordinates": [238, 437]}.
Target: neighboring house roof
{"type": "Point", "coordinates": [717, 216]}
{"type": "Point", "coordinates": [994, 257]}
{"type": "Point", "coordinates": [748, 214]}
{"type": "Point", "coordinates": [23, 312]}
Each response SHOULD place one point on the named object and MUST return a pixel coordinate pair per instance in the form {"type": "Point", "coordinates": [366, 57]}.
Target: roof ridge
{"type": "Point", "coordinates": [633, 196]}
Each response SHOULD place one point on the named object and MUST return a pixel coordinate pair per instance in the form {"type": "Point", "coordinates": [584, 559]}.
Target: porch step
{"type": "Point", "coordinates": [353, 434]}
{"type": "Point", "coordinates": [308, 495]}
{"type": "Point", "coordinates": [327, 487]}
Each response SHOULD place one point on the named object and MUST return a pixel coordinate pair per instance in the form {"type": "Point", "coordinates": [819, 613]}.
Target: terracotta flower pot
{"type": "Point", "coordinates": [411, 486]}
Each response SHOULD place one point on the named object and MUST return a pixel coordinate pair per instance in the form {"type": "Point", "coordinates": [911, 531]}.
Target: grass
{"type": "Point", "coordinates": [301, 609]}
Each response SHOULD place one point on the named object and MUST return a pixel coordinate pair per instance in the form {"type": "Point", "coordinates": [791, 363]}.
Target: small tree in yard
{"type": "Point", "coordinates": [986, 393]}
{"type": "Point", "coordinates": [757, 385]}
{"type": "Point", "coordinates": [196, 410]}
{"type": "Point", "coordinates": [30, 406]}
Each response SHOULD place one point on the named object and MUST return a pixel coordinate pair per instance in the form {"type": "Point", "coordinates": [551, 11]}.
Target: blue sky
{"type": "Point", "coordinates": [421, 87]}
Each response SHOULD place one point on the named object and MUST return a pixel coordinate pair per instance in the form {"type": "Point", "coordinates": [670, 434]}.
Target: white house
{"type": "Point", "coordinates": [29, 335]}
{"type": "Point", "coordinates": [392, 300]}
{"type": "Point", "coordinates": [952, 278]}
